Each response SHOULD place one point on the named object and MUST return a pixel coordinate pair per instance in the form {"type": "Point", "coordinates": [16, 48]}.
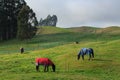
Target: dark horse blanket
{"type": "Point", "coordinates": [45, 62]}
{"type": "Point", "coordinates": [85, 51]}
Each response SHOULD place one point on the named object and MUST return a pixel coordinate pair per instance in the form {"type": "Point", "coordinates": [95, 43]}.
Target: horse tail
{"type": "Point", "coordinates": [92, 52]}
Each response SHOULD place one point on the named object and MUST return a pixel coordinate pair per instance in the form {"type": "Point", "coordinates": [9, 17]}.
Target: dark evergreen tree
{"type": "Point", "coordinates": [26, 23]}
{"type": "Point", "coordinates": [9, 10]}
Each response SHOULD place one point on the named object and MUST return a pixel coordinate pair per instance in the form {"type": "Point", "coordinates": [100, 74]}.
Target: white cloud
{"type": "Point", "coordinates": [79, 12]}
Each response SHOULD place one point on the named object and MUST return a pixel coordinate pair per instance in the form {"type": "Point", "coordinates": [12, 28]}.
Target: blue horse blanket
{"type": "Point", "coordinates": [85, 51]}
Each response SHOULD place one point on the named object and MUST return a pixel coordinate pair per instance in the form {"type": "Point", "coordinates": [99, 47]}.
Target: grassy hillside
{"type": "Point", "coordinates": [59, 46]}
{"type": "Point", "coordinates": [48, 37]}
{"type": "Point", "coordinates": [51, 30]}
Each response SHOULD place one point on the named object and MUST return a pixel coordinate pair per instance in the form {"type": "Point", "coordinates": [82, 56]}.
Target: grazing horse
{"type": "Point", "coordinates": [45, 62]}
{"type": "Point", "coordinates": [85, 51]}
{"type": "Point", "coordinates": [22, 50]}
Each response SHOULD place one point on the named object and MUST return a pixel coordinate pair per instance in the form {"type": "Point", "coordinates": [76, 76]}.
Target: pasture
{"type": "Point", "coordinates": [59, 45]}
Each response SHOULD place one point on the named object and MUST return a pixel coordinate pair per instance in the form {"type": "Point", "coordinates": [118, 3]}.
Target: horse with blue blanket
{"type": "Point", "coordinates": [85, 51]}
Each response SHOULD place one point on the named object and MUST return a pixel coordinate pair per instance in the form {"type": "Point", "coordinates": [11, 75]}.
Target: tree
{"type": "Point", "coordinates": [49, 21]}
{"type": "Point", "coordinates": [9, 10]}
{"type": "Point", "coordinates": [26, 23]}
{"type": "Point", "coordinates": [53, 20]}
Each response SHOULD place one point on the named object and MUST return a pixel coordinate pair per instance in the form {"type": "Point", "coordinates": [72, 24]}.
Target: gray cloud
{"type": "Point", "coordinates": [72, 13]}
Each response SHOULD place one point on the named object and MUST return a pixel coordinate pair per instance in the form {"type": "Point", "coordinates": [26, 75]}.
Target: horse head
{"type": "Point", "coordinates": [53, 67]}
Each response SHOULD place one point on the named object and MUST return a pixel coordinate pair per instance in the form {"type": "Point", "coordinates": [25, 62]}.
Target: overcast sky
{"type": "Point", "coordinates": [75, 13]}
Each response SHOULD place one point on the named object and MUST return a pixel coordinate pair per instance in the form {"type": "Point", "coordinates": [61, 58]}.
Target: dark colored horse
{"type": "Point", "coordinates": [22, 50]}
{"type": "Point", "coordinates": [45, 62]}
{"type": "Point", "coordinates": [85, 51]}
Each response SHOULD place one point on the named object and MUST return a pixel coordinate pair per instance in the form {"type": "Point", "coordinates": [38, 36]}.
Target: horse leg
{"type": "Point", "coordinates": [83, 57]}
{"type": "Point", "coordinates": [93, 54]}
{"type": "Point", "coordinates": [89, 56]}
{"type": "Point", "coordinates": [45, 68]}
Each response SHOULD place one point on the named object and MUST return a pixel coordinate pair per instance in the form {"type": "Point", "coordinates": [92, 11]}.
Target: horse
{"type": "Point", "coordinates": [45, 62]}
{"type": "Point", "coordinates": [85, 51]}
{"type": "Point", "coordinates": [22, 50]}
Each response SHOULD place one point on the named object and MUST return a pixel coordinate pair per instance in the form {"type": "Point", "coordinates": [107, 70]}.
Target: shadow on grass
{"type": "Point", "coordinates": [78, 71]}
{"type": "Point", "coordinates": [25, 52]}
{"type": "Point", "coordinates": [102, 60]}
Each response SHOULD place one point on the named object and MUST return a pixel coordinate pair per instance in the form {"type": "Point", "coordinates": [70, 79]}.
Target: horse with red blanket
{"type": "Point", "coordinates": [45, 62]}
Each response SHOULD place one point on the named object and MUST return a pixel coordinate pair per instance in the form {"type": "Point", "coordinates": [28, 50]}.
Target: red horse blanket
{"type": "Point", "coordinates": [43, 61]}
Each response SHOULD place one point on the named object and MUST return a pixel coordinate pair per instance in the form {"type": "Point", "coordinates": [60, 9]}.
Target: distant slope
{"type": "Point", "coordinates": [114, 30]}
{"type": "Point", "coordinates": [109, 30]}
{"type": "Point", "coordinates": [84, 29]}
{"type": "Point", "coordinates": [51, 30]}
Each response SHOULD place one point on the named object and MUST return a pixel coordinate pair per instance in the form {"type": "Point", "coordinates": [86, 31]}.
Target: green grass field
{"type": "Point", "coordinates": [59, 45]}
